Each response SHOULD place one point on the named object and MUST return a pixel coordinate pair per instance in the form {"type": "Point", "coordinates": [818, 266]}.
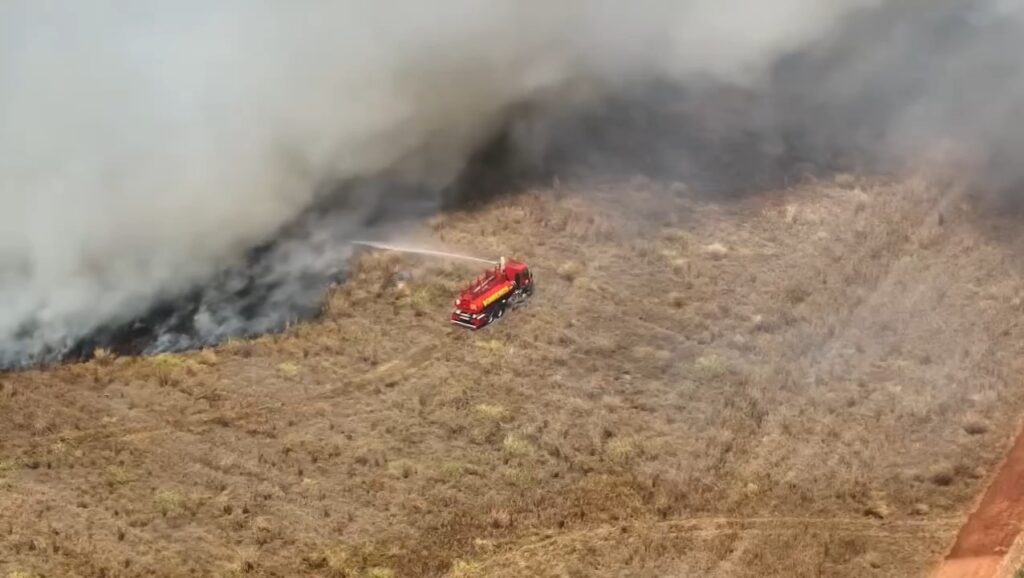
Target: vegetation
{"type": "Point", "coordinates": [812, 383]}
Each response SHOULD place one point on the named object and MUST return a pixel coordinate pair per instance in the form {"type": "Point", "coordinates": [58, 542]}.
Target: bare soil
{"type": "Point", "coordinates": [810, 382]}
{"type": "Point", "coordinates": [992, 529]}
{"type": "Point", "coordinates": [985, 546]}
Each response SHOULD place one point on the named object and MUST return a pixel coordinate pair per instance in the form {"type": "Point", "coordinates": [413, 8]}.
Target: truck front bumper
{"type": "Point", "coordinates": [472, 321]}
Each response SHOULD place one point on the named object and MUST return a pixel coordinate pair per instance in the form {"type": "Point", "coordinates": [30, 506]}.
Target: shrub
{"type": "Point", "coordinates": [491, 412]}
{"type": "Point", "coordinates": [942, 476]}
{"type": "Point", "coordinates": [117, 476]}
{"type": "Point", "coordinates": [463, 569]}
{"type": "Point", "coordinates": [491, 345]}
{"type": "Point", "coordinates": [716, 251]}
{"type": "Point", "coordinates": [975, 426]}
{"type": "Point", "coordinates": [570, 271]}
{"type": "Point", "coordinates": [7, 466]}
{"type": "Point", "coordinates": [622, 450]}
{"type": "Point", "coordinates": [452, 471]}
{"type": "Point", "coordinates": [288, 369]}
{"type": "Point", "coordinates": [420, 300]}
{"type": "Point", "coordinates": [796, 294]}
{"type": "Point", "coordinates": [516, 446]}
{"type": "Point", "coordinates": [366, 561]}
{"type": "Point", "coordinates": [208, 357]}
{"type": "Point", "coordinates": [103, 356]}
{"type": "Point", "coordinates": [167, 366]}
{"type": "Point", "coordinates": [170, 502]}
{"type": "Point", "coordinates": [677, 237]}
{"type": "Point", "coordinates": [401, 469]}
{"type": "Point", "coordinates": [710, 367]}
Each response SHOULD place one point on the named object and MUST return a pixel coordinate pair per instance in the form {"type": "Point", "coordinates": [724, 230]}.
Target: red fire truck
{"type": "Point", "coordinates": [506, 286]}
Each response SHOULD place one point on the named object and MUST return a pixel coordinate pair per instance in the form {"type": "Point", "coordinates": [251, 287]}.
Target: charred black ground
{"type": "Point", "coordinates": [276, 284]}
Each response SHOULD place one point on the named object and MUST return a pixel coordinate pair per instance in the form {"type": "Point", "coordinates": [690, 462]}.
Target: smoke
{"type": "Point", "coordinates": [882, 86]}
{"type": "Point", "coordinates": [175, 173]}
{"type": "Point", "coordinates": [904, 79]}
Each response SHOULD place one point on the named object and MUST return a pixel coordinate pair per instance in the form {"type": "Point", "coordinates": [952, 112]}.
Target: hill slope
{"type": "Point", "coordinates": [773, 386]}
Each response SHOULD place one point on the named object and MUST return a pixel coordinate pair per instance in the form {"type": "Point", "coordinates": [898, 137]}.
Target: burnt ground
{"type": "Point", "coordinates": [263, 291]}
{"type": "Point", "coordinates": [813, 382]}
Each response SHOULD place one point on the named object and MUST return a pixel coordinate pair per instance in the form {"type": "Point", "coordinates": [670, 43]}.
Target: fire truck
{"type": "Point", "coordinates": [505, 287]}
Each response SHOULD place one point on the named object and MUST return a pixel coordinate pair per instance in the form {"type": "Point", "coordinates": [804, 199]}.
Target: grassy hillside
{"type": "Point", "coordinates": [812, 382]}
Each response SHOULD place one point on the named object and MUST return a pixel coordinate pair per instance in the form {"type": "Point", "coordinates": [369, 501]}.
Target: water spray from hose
{"type": "Point", "coordinates": [419, 251]}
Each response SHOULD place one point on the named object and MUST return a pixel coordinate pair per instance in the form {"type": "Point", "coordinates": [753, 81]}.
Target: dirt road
{"type": "Point", "coordinates": [984, 547]}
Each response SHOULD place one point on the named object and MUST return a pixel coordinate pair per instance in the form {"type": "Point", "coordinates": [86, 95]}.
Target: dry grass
{"type": "Point", "coordinates": [813, 383]}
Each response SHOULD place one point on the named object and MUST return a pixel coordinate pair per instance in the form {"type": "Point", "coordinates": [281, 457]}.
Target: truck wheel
{"type": "Point", "coordinates": [500, 312]}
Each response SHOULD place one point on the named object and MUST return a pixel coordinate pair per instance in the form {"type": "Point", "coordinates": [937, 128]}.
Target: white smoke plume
{"type": "Point", "coordinates": [147, 145]}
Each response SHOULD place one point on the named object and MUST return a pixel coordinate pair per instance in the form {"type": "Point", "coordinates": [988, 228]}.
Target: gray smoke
{"type": "Point", "coordinates": [209, 161]}
{"type": "Point", "coordinates": [891, 84]}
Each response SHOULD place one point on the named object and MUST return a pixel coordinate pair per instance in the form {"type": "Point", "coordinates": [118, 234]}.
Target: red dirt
{"type": "Point", "coordinates": [992, 529]}
{"type": "Point", "coordinates": [980, 567]}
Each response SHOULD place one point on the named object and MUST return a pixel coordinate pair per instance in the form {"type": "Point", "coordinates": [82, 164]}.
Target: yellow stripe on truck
{"type": "Point", "coordinates": [496, 296]}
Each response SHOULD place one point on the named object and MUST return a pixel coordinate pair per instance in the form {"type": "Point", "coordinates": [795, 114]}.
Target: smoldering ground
{"type": "Point", "coordinates": [175, 176]}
